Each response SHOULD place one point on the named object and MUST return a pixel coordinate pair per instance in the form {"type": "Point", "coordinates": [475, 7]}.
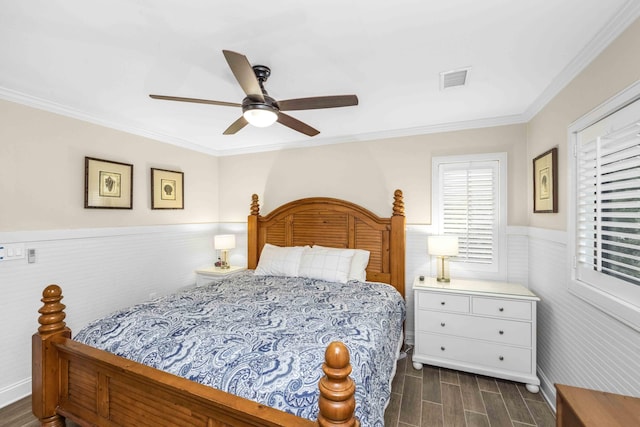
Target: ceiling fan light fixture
{"type": "Point", "coordinates": [260, 115]}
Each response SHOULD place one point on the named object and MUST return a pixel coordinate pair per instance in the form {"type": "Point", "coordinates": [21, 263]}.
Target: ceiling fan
{"type": "Point", "coordinates": [258, 108]}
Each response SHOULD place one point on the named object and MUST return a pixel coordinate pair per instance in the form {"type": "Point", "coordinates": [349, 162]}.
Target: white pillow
{"type": "Point", "coordinates": [328, 264]}
{"type": "Point", "coordinates": [279, 261]}
{"type": "Point", "coordinates": [359, 262]}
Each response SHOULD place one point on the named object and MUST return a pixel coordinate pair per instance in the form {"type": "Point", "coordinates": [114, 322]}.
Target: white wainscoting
{"type": "Point", "coordinates": [577, 343]}
{"type": "Point", "coordinates": [99, 270]}
{"type": "Point", "coordinates": [518, 255]}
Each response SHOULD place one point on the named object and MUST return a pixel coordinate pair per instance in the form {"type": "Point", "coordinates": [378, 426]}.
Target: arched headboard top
{"type": "Point", "coordinates": [336, 223]}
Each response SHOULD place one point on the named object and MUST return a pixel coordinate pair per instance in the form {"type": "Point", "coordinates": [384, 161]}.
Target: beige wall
{"type": "Point", "coordinates": [367, 172]}
{"type": "Point", "coordinates": [615, 69]}
{"type": "Point", "coordinates": [42, 174]}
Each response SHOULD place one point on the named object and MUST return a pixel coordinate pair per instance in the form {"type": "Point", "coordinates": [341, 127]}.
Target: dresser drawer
{"type": "Point", "coordinates": [443, 302]}
{"type": "Point", "coordinates": [502, 308]}
{"type": "Point", "coordinates": [478, 353]}
{"type": "Point", "coordinates": [482, 328]}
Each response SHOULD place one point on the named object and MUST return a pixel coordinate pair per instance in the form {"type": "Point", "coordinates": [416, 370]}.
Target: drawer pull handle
{"type": "Point", "coordinates": [442, 324]}
{"type": "Point", "coordinates": [441, 302]}
{"type": "Point", "coordinates": [501, 358]}
{"type": "Point", "coordinates": [501, 309]}
{"type": "Point", "coordinates": [501, 332]}
{"type": "Point", "coordinates": [442, 348]}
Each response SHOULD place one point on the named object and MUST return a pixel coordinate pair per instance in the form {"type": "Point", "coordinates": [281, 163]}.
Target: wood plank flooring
{"type": "Point", "coordinates": [443, 397]}
{"type": "Point", "coordinates": [434, 396]}
{"type": "Point", "coordinates": [19, 414]}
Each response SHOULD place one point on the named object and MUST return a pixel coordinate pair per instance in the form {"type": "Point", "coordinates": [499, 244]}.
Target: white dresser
{"type": "Point", "coordinates": [484, 327]}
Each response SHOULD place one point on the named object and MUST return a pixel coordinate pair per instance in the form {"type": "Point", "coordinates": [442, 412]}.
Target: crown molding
{"type": "Point", "coordinates": [387, 134]}
{"type": "Point", "coordinates": [63, 110]}
{"type": "Point", "coordinates": [42, 104]}
{"type": "Point", "coordinates": [616, 26]}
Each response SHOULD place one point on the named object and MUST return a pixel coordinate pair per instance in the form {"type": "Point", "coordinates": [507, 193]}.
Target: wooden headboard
{"type": "Point", "coordinates": [335, 223]}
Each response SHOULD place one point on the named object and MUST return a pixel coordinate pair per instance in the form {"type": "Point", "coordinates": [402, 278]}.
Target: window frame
{"type": "Point", "coordinates": [614, 300]}
{"type": "Point", "coordinates": [497, 269]}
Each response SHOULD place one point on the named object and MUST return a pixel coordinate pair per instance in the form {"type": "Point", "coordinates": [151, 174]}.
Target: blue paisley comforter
{"type": "Point", "coordinates": [264, 337]}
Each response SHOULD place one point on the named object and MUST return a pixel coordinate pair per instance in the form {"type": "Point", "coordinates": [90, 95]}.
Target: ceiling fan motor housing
{"type": "Point", "coordinates": [257, 107]}
{"type": "Point", "coordinates": [258, 113]}
{"type": "Point", "coordinates": [269, 104]}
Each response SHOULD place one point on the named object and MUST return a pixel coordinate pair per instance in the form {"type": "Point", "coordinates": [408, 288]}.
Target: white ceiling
{"type": "Point", "coordinates": [98, 61]}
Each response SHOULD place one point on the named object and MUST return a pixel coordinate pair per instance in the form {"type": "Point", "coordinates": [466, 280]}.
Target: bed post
{"type": "Point", "coordinates": [44, 369]}
{"type": "Point", "coordinates": [398, 242]}
{"type": "Point", "coordinates": [252, 233]}
{"type": "Point", "coordinates": [337, 402]}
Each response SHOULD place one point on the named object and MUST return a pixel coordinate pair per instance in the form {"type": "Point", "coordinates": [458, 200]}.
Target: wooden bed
{"type": "Point", "coordinates": [93, 387]}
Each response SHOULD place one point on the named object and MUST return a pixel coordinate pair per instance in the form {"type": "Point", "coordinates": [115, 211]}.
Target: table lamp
{"type": "Point", "coordinates": [223, 243]}
{"type": "Point", "coordinates": [443, 247]}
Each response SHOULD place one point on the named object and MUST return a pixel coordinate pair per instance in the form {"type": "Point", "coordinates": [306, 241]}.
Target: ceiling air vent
{"type": "Point", "coordinates": [453, 78]}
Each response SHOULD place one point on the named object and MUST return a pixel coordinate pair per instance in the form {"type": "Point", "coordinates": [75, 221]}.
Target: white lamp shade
{"type": "Point", "coordinates": [443, 245]}
{"type": "Point", "coordinates": [224, 241]}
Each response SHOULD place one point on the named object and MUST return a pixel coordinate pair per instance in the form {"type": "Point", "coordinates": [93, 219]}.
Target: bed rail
{"type": "Point", "coordinates": [93, 387]}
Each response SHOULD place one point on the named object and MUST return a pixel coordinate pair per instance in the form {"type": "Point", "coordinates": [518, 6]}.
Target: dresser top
{"type": "Point", "coordinates": [479, 287]}
{"type": "Point", "coordinates": [217, 271]}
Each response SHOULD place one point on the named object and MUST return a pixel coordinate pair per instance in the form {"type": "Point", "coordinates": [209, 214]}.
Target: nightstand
{"type": "Point", "coordinates": [206, 275]}
{"type": "Point", "coordinates": [484, 327]}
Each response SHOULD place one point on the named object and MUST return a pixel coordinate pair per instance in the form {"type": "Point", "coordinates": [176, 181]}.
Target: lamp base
{"type": "Point", "coordinates": [224, 263]}
{"type": "Point", "coordinates": [443, 270]}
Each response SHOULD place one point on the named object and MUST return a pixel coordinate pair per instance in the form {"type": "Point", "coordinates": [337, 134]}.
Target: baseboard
{"type": "Point", "coordinates": [15, 392]}
{"type": "Point", "coordinates": [409, 338]}
{"type": "Point", "coordinates": [547, 389]}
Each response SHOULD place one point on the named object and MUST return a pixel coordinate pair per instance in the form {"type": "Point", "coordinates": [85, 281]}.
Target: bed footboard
{"type": "Point", "coordinates": [94, 387]}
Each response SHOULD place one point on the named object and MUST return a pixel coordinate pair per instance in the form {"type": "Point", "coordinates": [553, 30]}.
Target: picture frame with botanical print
{"type": "Point", "coordinates": [545, 182]}
{"type": "Point", "coordinates": [107, 184]}
{"type": "Point", "coordinates": [167, 189]}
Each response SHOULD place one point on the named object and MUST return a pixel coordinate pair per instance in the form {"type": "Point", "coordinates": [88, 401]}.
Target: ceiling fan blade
{"type": "Point", "coordinates": [244, 73]}
{"type": "Point", "coordinates": [296, 124]}
{"type": "Point", "coordinates": [236, 126]}
{"type": "Point", "coordinates": [318, 102]}
{"type": "Point", "coordinates": [196, 100]}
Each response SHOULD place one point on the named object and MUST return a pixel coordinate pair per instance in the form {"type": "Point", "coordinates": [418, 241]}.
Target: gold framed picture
{"type": "Point", "coordinates": [545, 182]}
{"type": "Point", "coordinates": [167, 189]}
{"type": "Point", "coordinates": [107, 184]}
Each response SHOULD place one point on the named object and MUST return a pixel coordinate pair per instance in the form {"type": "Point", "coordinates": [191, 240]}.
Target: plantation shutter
{"type": "Point", "coordinates": [608, 199]}
{"type": "Point", "coordinates": [468, 203]}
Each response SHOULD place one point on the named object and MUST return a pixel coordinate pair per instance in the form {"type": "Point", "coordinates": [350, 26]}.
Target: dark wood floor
{"type": "Point", "coordinates": [19, 414]}
{"type": "Point", "coordinates": [430, 397]}
{"type": "Point", "coordinates": [443, 397]}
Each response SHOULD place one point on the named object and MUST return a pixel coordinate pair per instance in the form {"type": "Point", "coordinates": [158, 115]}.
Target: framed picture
{"type": "Point", "coordinates": [545, 182]}
{"type": "Point", "coordinates": [107, 184]}
{"type": "Point", "coordinates": [167, 189]}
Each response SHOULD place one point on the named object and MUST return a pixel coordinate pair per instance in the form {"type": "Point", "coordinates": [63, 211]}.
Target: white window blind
{"type": "Point", "coordinates": [469, 207]}
{"type": "Point", "coordinates": [608, 201]}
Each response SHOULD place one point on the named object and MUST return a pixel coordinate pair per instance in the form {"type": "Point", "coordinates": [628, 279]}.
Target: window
{"type": "Point", "coordinates": [606, 208]}
{"type": "Point", "coordinates": [469, 201]}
